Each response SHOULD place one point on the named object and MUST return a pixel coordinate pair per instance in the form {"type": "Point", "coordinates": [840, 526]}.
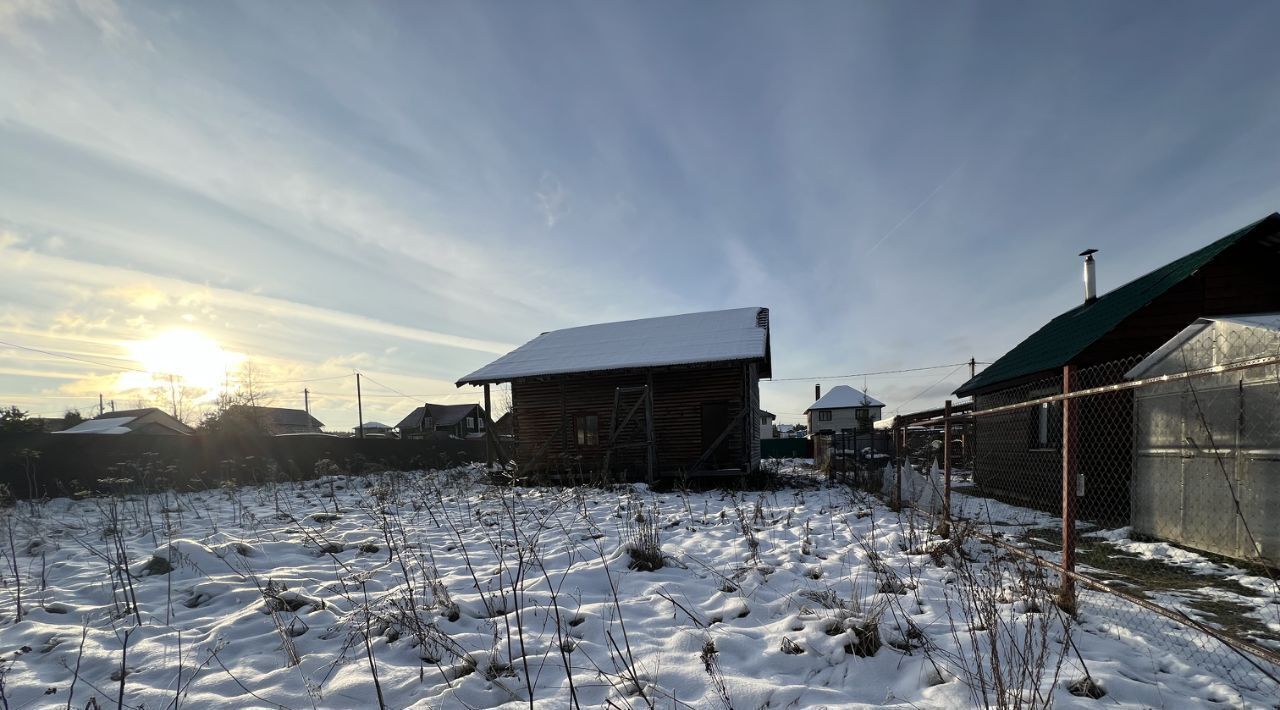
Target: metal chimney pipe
{"type": "Point", "coordinates": [817, 392]}
{"type": "Point", "coordinates": [1090, 276]}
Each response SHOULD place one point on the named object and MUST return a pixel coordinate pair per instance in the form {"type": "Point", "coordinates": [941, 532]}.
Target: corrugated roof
{"type": "Point", "coordinates": [1066, 336]}
{"type": "Point", "coordinates": [844, 397]}
{"type": "Point", "coordinates": [692, 338]}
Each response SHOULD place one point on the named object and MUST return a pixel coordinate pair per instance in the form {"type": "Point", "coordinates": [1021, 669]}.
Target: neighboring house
{"type": "Point", "coordinates": [642, 397]}
{"type": "Point", "coordinates": [280, 420]}
{"type": "Point", "coordinates": [1194, 450]}
{"type": "Point", "coordinates": [502, 427]}
{"type": "Point", "coordinates": [787, 431]}
{"type": "Point", "coordinates": [132, 421]}
{"type": "Point", "coordinates": [460, 420]}
{"type": "Point", "coordinates": [377, 430]}
{"type": "Point", "coordinates": [767, 430]}
{"type": "Point", "coordinates": [1018, 454]}
{"type": "Point", "coordinates": [844, 410]}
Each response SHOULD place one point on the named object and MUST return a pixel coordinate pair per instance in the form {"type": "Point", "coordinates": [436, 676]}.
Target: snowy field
{"type": "Point", "coordinates": [434, 589]}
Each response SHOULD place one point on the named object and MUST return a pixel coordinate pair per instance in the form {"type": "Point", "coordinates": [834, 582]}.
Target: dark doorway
{"type": "Point", "coordinates": [715, 419]}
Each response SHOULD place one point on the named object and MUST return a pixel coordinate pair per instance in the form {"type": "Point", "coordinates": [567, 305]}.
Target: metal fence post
{"type": "Point", "coordinates": [946, 469]}
{"type": "Point", "coordinates": [1067, 595]}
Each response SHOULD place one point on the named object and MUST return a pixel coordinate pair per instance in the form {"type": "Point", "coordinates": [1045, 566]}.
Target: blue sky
{"type": "Point", "coordinates": [410, 189]}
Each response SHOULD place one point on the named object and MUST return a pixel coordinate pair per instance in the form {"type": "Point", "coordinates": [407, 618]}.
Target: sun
{"type": "Point", "coordinates": [193, 357]}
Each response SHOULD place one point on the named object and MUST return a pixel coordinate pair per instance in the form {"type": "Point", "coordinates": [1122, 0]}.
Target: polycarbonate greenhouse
{"type": "Point", "coordinates": [1206, 470]}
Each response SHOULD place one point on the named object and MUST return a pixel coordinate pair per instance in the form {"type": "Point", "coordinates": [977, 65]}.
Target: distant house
{"type": "Point", "coordinates": [132, 421]}
{"type": "Point", "coordinates": [641, 397]}
{"type": "Point", "coordinates": [460, 420]}
{"type": "Point", "coordinates": [843, 410]}
{"type": "Point", "coordinates": [767, 429]}
{"type": "Point", "coordinates": [787, 431]}
{"type": "Point", "coordinates": [1019, 454]}
{"type": "Point", "coordinates": [502, 427]}
{"type": "Point", "coordinates": [280, 420]}
{"type": "Point", "coordinates": [375, 429]}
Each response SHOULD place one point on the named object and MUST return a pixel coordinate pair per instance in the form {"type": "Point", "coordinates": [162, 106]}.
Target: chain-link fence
{"type": "Point", "coordinates": [1149, 487]}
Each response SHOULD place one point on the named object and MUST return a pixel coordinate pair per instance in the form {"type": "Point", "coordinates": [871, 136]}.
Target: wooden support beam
{"type": "Point", "coordinates": [488, 427]}
{"type": "Point", "coordinates": [720, 439]}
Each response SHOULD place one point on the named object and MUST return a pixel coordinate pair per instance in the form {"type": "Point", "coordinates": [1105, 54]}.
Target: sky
{"type": "Point", "coordinates": [411, 189]}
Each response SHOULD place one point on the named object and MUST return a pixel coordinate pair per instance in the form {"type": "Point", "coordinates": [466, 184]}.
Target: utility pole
{"type": "Point", "coordinates": [359, 407]}
{"type": "Point", "coordinates": [488, 433]}
{"type": "Point", "coordinates": [113, 405]}
{"type": "Point", "coordinates": [973, 365]}
{"type": "Point", "coordinates": [306, 400]}
{"type": "Point", "coordinates": [173, 398]}
{"type": "Point", "coordinates": [101, 409]}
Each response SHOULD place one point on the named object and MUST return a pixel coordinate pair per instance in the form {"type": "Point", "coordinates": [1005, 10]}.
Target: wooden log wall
{"type": "Point", "coordinates": [540, 406]}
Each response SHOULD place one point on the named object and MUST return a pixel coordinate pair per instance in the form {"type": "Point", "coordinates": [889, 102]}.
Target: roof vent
{"type": "Point", "coordinates": [762, 318]}
{"type": "Point", "coordinates": [1090, 276]}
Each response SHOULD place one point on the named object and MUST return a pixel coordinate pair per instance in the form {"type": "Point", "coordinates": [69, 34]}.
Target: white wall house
{"type": "Point", "coordinates": [766, 425]}
{"type": "Point", "coordinates": [843, 410]}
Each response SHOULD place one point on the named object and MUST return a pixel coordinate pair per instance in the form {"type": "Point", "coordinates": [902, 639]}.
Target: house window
{"type": "Point", "coordinates": [824, 415]}
{"type": "Point", "coordinates": [479, 423]}
{"type": "Point", "coordinates": [471, 423]}
{"type": "Point", "coordinates": [588, 427]}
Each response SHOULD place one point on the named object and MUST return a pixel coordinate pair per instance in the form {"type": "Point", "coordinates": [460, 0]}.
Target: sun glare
{"type": "Point", "coordinates": [186, 354]}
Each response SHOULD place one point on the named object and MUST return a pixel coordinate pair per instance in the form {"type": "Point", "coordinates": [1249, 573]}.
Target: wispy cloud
{"type": "Point", "coordinates": [553, 199]}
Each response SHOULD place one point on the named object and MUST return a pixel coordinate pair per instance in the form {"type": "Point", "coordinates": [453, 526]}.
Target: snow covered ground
{"type": "Point", "coordinates": [435, 589]}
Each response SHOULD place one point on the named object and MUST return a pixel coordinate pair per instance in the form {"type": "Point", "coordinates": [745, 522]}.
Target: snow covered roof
{"type": "Point", "coordinates": [845, 397]}
{"type": "Point", "coordinates": [376, 425]}
{"type": "Point", "coordinates": [715, 336]}
{"type": "Point", "coordinates": [107, 425]}
{"type": "Point", "coordinates": [1268, 322]}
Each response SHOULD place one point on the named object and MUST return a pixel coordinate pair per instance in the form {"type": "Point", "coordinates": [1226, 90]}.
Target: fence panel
{"type": "Point", "coordinates": [59, 464]}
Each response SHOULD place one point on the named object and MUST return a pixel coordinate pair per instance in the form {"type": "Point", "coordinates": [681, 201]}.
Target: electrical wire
{"type": "Point", "coordinates": [870, 374]}
{"type": "Point", "coordinates": [80, 359]}
{"type": "Point", "coordinates": [926, 389]}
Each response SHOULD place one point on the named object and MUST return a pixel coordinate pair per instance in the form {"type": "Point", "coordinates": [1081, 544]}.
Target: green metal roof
{"type": "Point", "coordinates": [1066, 336]}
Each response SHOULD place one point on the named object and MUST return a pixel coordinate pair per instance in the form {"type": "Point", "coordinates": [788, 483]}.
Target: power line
{"type": "Point", "coordinates": [926, 389]}
{"type": "Point", "coordinates": [290, 382]}
{"type": "Point", "coordinates": [80, 359]}
{"type": "Point", "coordinates": [869, 374]}
{"type": "Point", "coordinates": [402, 394]}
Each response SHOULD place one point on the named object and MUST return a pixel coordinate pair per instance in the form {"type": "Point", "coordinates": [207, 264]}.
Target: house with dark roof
{"type": "Point", "coordinates": [280, 420]}
{"type": "Point", "coordinates": [460, 420]}
{"type": "Point", "coordinates": [1018, 454]}
{"type": "Point", "coordinates": [149, 420]}
{"type": "Point", "coordinates": [639, 398]}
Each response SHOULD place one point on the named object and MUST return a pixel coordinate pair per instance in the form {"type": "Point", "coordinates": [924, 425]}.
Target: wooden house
{"type": "Point", "coordinates": [641, 398]}
{"type": "Point", "coordinates": [460, 420]}
{"type": "Point", "coordinates": [1018, 454]}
